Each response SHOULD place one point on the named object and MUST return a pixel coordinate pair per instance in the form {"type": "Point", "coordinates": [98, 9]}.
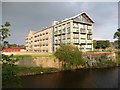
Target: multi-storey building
{"type": "Point", "coordinates": [29, 41]}
{"type": "Point", "coordinates": [40, 41]}
{"type": "Point", "coordinates": [77, 30]}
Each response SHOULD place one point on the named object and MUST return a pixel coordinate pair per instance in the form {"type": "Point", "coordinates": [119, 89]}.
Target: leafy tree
{"type": "Point", "coordinates": [69, 55]}
{"type": "Point", "coordinates": [12, 45]}
{"type": "Point", "coordinates": [102, 44]}
{"type": "Point", "coordinates": [4, 33]}
{"type": "Point", "coordinates": [117, 36]}
{"type": "Point", "coordinates": [8, 63]}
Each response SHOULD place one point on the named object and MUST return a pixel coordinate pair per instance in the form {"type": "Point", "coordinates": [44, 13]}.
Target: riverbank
{"type": "Point", "coordinates": [26, 71]}
{"type": "Point", "coordinates": [36, 63]}
{"type": "Point", "coordinates": [23, 71]}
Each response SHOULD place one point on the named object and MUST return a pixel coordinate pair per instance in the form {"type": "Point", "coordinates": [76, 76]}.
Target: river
{"type": "Point", "coordinates": [89, 78]}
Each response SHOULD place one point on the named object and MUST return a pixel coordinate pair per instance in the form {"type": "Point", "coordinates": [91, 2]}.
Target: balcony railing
{"type": "Point", "coordinates": [75, 30]}
{"type": "Point", "coordinates": [89, 41]}
{"type": "Point", "coordinates": [82, 30]}
{"type": "Point", "coordinates": [75, 41]}
{"type": "Point", "coordinates": [82, 41]}
{"type": "Point", "coordinates": [55, 33]}
{"type": "Point", "coordinates": [63, 41]}
{"type": "Point", "coordinates": [76, 37]}
{"type": "Point", "coordinates": [90, 32]}
{"type": "Point", "coordinates": [57, 42]}
{"type": "Point", "coordinates": [63, 38]}
{"type": "Point", "coordinates": [63, 31]}
{"type": "Point", "coordinates": [76, 27]}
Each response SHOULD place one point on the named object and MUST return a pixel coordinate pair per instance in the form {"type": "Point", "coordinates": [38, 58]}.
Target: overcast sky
{"type": "Point", "coordinates": [26, 16]}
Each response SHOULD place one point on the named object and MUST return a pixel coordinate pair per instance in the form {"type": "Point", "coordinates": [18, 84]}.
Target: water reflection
{"type": "Point", "coordinates": [102, 78]}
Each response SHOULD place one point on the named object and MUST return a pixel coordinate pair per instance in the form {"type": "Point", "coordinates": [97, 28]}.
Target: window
{"type": "Point", "coordinates": [40, 34]}
{"type": "Point", "coordinates": [46, 38]}
{"type": "Point", "coordinates": [82, 38]}
{"type": "Point", "coordinates": [89, 37]}
{"type": "Point", "coordinates": [75, 25]}
{"type": "Point", "coordinates": [56, 28]}
{"type": "Point", "coordinates": [68, 30]}
{"type": "Point", "coordinates": [68, 36]}
{"type": "Point", "coordinates": [89, 27]}
{"type": "Point", "coordinates": [82, 26]}
{"type": "Point", "coordinates": [76, 36]}
{"type": "Point", "coordinates": [63, 37]}
{"type": "Point", "coordinates": [43, 33]}
{"type": "Point", "coordinates": [68, 25]}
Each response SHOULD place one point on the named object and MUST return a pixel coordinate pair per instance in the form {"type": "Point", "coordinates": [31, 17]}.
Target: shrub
{"type": "Point", "coordinates": [9, 72]}
{"type": "Point", "coordinates": [70, 55]}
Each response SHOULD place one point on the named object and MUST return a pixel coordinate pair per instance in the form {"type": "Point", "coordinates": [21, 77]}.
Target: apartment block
{"type": "Point", "coordinates": [40, 41]}
{"type": "Point", "coordinates": [76, 30]}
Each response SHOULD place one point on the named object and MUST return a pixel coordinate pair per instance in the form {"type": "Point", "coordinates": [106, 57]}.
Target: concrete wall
{"type": "Point", "coordinates": [50, 62]}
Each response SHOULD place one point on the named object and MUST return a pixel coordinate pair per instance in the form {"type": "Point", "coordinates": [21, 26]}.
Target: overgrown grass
{"type": "Point", "coordinates": [33, 55]}
{"type": "Point", "coordinates": [101, 51]}
{"type": "Point", "coordinates": [36, 70]}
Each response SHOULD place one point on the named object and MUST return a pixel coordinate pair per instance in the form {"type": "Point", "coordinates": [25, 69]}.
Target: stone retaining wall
{"type": "Point", "coordinates": [44, 62]}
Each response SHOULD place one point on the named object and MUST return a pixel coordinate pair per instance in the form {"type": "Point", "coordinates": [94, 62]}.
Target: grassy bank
{"type": "Point", "coordinates": [34, 70]}
{"type": "Point", "coordinates": [34, 55]}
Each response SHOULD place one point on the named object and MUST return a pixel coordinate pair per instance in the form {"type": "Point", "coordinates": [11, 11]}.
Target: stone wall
{"type": "Point", "coordinates": [50, 62]}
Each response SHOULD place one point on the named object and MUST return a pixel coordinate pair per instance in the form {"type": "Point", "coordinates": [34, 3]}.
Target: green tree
{"type": "Point", "coordinates": [4, 33]}
{"type": "Point", "coordinates": [102, 44]}
{"type": "Point", "coordinates": [117, 36]}
{"type": "Point", "coordinates": [69, 55]}
{"type": "Point", "coordinates": [9, 74]}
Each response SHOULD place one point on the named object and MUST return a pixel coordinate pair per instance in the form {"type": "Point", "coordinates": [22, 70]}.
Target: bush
{"type": "Point", "coordinates": [69, 55]}
{"type": "Point", "coordinates": [118, 57]}
{"type": "Point", "coordinates": [9, 72]}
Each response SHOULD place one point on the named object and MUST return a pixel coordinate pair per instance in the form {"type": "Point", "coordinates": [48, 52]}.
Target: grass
{"type": "Point", "coordinates": [34, 55]}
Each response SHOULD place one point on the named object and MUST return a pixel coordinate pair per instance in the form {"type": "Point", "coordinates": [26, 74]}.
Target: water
{"type": "Point", "coordinates": [96, 78]}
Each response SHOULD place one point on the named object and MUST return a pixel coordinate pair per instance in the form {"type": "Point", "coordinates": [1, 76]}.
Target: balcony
{"type": "Point", "coordinates": [89, 41]}
{"type": "Point", "coordinates": [63, 31]}
{"type": "Point", "coordinates": [68, 37]}
{"type": "Point", "coordinates": [82, 30]}
{"type": "Point", "coordinates": [82, 46]}
{"type": "Point", "coordinates": [57, 42]}
{"type": "Point", "coordinates": [82, 41]}
{"type": "Point", "coordinates": [59, 32]}
{"type": "Point", "coordinates": [75, 27]}
{"type": "Point", "coordinates": [76, 36]}
{"type": "Point", "coordinates": [75, 41]}
{"type": "Point", "coordinates": [76, 30]}
{"type": "Point", "coordinates": [55, 33]}
{"type": "Point", "coordinates": [90, 32]}
{"type": "Point", "coordinates": [63, 38]}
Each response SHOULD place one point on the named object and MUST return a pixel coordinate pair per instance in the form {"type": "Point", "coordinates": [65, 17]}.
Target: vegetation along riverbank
{"type": "Point", "coordinates": [66, 58]}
